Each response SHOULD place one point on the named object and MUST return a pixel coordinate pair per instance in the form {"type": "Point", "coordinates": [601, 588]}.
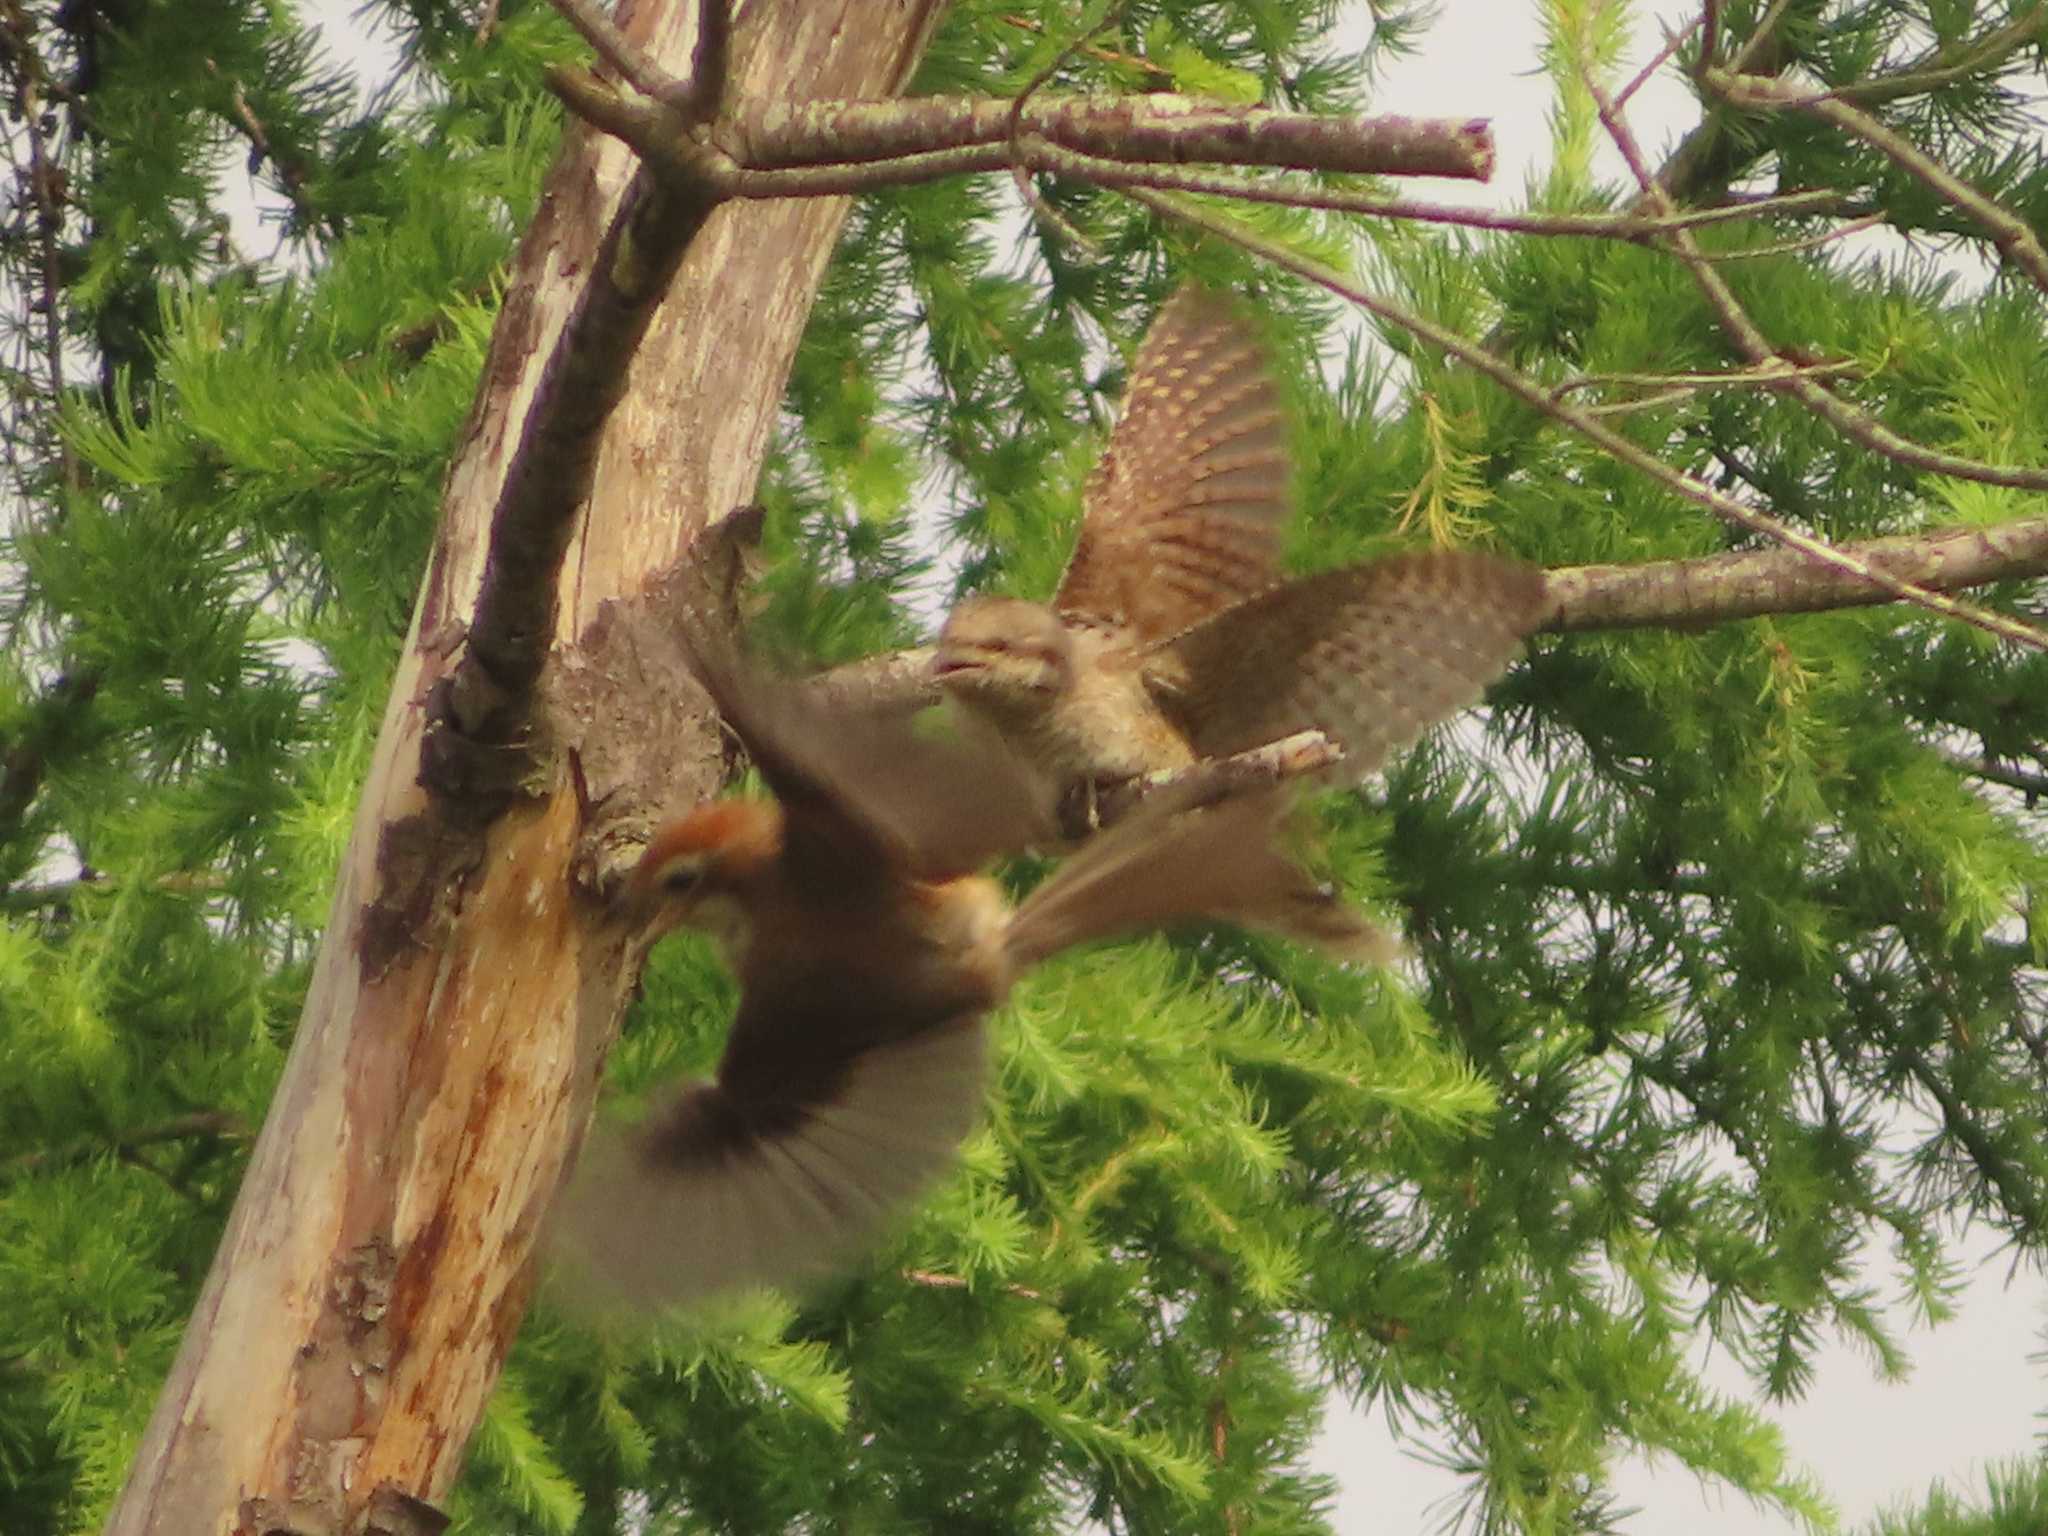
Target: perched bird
{"type": "Point", "coordinates": [868, 956]}
{"type": "Point", "coordinates": [1172, 638]}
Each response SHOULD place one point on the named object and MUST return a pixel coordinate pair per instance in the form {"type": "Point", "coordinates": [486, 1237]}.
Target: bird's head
{"type": "Point", "coordinates": [702, 869]}
{"type": "Point", "coordinates": [1003, 650]}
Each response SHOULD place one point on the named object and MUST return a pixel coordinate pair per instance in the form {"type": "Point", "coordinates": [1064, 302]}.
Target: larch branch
{"type": "Point", "coordinates": [1751, 342]}
{"type": "Point", "coordinates": [2010, 233]}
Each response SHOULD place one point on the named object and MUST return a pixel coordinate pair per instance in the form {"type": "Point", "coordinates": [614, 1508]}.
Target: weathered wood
{"type": "Point", "coordinates": [377, 1263]}
{"type": "Point", "coordinates": [1749, 583]}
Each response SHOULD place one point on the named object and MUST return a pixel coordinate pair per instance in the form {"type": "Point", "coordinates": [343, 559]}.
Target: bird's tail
{"type": "Point", "coordinates": [703, 1197]}
{"type": "Point", "coordinates": [1169, 862]}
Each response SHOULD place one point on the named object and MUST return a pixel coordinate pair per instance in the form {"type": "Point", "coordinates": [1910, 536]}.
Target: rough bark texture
{"type": "Point", "coordinates": [1749, 583]}
{"type": "Point", "coordinates": [378, 1260]}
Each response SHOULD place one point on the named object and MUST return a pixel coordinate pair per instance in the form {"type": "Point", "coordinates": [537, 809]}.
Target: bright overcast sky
{"type": "Point", "coordinates": [1973, 1394]}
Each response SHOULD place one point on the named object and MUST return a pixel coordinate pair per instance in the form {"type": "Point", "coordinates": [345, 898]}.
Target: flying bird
{"type": "Point", "coordinates": [869, 955]}
{"type": "Point", "coordinates": [1172, 637]}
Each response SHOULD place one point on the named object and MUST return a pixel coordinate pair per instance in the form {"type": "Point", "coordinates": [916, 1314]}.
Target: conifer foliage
{"type": "Point", "coordinates": [1724, 1012]}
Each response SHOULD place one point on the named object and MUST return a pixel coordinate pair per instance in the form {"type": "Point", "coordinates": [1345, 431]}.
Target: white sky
{"type": "Point", "coordinates": [1973, 1394]}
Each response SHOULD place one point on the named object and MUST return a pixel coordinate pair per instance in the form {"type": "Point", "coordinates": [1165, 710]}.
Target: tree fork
{"type": "Point", "coordinates": [379, 1257]}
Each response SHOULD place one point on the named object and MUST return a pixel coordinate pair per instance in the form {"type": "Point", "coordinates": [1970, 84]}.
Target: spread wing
{"type": "Point", "coordinates": [861, 780]}
{"type": "Point", "coordinates": [1371, 654]}
{"type": "Point", "coordinates": [1182, 516]}
{"type": "Point", "coordinates": [778, 1172]}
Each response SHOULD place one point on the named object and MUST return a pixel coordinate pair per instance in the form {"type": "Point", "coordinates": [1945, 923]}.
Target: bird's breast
{"type": "Point", "coordinates": [1111, 727]}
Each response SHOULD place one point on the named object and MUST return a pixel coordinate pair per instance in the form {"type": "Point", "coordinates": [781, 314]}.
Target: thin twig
{"type": "Point", "coordinates": [1055, 221]}
{"type": "Point", "coordinates": [1673, 41]}
{"type": "Point", "coordinates": [1293, 194]}
{"type": "Point", "coordinates": [627, 58]}
{"type": "Point", "coordinates": [1690, 383]}
{"type": "Point", "coordinates": [1107, 55]}
{"type": "Point", "coordinates": [2011, 234]}
{"type": "Point", "coordinates": [1804, 243]}
{"type": "Point", "coordinates": [1751, 342]}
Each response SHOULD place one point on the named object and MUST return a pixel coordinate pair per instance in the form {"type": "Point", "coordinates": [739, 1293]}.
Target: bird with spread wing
{"type": "Point", "coordinates": [1172, 637]}
{"type": "Point", "coordinates": [869, 954]}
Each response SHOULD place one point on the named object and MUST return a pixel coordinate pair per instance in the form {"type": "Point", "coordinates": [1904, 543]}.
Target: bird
{"type": "Point", "coordinates": [1172, 637]}
{"type": "Point", "coordinates": [869, 954]}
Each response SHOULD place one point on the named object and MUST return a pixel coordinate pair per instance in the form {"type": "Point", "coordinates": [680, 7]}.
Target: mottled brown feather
{"type": "Point", "coordinates": [1183, 515]}
{"type": "Point", "coordinates": [1371, 654]}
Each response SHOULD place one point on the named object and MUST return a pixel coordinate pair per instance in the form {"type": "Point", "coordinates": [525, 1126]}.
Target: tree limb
{"type": "Point", "coordinates": [792, 149]}
{"type": "Point", "coordinates": [487, 750]}
{"type": "Point", "coordinates": [384, 1241]}
{"type": "Point", "coordinates": [1752, 583]}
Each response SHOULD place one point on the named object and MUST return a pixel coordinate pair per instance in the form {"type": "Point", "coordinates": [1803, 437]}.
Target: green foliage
{"type": "Point", "coordinates": [2016, 1501]}
{"type": "Point", "coordinates": [1725, 994]}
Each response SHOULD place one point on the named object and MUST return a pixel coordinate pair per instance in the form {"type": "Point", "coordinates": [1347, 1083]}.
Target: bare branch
{"type": "Point", "coordinates": [1751, 583]}
{"type": "Point", "coordinates": [1149, 129]}
{"type": "Point", "coordinates": [762, 149]}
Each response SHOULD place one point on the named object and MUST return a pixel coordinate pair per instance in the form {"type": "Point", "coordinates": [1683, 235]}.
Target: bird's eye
{"type": "Point", "coordinates": [681, 877]}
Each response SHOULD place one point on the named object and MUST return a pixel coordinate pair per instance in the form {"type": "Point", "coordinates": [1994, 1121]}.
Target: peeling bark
{"type": "Point", "coordinates": [379, 1258]}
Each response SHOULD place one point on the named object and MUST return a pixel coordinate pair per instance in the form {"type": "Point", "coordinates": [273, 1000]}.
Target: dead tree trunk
{"type": "Point", "coordinates": [378, 1260]}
